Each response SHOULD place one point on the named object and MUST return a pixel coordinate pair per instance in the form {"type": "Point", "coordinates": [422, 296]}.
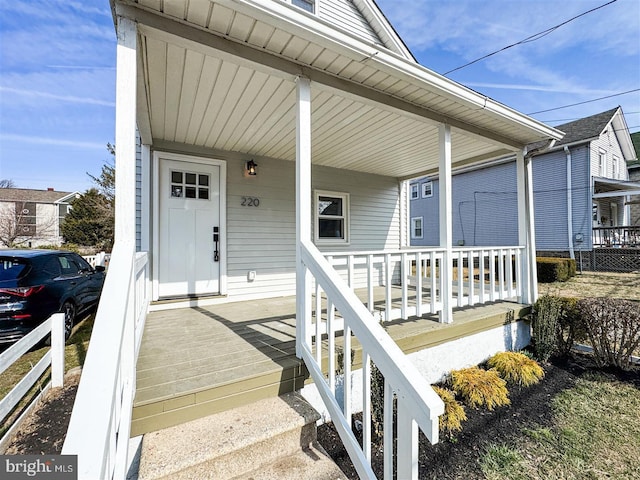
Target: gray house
{"type": "Point", "coordinates": [581, 191]}
{"type": "Point", "coordinates": [634, 176]}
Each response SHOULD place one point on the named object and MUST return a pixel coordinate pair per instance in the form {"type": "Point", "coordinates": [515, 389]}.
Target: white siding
{"type": "Point", "coordinates": [262, 239]}
{"type": "Point", "coordinates": [609, 143]}
{"type": "Point", "coordinates": [344, 14]}
{"type": "Point", "coordinates": [138, 193]}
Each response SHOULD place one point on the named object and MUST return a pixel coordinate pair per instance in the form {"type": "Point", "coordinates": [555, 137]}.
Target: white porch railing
{"type": "Point", "coordinates": [99, 259]}
{"type": "Point", "coordinates": [101, 419]}
{"type": "Point", "coordinates": [480, 275]}
{"type": "Point", "coordinates": [54, 358]}
{"type": "Point", "coordinates": [417, 404]}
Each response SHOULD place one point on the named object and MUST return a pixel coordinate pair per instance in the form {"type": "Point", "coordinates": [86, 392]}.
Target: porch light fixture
{"type": "Point", "coordinates": [251, 168]}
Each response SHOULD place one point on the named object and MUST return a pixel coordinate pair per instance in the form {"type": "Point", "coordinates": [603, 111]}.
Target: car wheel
{"type": "Point", "coordinates": [69, 311]}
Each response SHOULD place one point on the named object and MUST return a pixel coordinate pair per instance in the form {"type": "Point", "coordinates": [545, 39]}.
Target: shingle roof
{"type": "Point", "coordinates": [29, 195]}
{"type": "Point", "coordinates": [585, 128]}
{"type": "Point", "coordinates": [635, 138]}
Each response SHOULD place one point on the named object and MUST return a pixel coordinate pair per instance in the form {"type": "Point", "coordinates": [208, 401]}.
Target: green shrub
{"type": "Point", "coordinates": [517, 368]}
{"type": "Point", "coordinates": [451, 420]}
{"type": "Point", "coordinates": [612, 327]}
{"type": "Point", "coordinates": [547, 313]}
{"type": "Point", "coordinates": [480, 387]}
{"type": "Point", "coordinates": [552, 269]}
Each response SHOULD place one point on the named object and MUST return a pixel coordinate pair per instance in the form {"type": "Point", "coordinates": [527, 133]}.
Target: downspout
{"type": "Point", "coordinates": [569, 204]}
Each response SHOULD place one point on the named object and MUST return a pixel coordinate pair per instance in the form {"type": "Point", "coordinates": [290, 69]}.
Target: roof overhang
{"type": "Point", "coordinates": [220, 75]}
{"type": "Point", "coordinates": [607, 187]}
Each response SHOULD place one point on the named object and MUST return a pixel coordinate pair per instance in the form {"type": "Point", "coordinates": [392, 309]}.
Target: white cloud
{"type": "Point", "coordinates": [8, 137]}
{"type": "Point", "coordinates": [33, 94]}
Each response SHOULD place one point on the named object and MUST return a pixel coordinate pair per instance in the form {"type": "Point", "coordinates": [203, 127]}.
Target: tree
{"type": "Point", "coordinates": [90, 221]}
{"type": "Point", "coordinates": [7, 183]}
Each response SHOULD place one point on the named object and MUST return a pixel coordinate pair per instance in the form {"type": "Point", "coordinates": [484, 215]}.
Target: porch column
{"type": "Point", "coordinates": [526, 229]}
{"type": "Point", "coordinates": [446, 221]}
{"type": "Point", "coordinates": [303, 210]}
{"type": "Point", "coordinates": [125, 134]}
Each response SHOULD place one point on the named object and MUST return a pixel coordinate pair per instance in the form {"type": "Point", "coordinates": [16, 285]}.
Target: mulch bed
{"type": "Point", "coordinates": [459, 457]}
{"type": "Point", "coordinates": [43, 431]}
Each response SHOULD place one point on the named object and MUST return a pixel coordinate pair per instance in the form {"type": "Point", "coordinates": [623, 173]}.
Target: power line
{"type": "Point", "coordinates": [579, 118]}
{"type": "Point", "coordinates": [586, 101]}
{"type": "Point", "coordinates": [531, 38]}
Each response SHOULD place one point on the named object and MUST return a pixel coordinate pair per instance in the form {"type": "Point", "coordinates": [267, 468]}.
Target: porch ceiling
{"type": "Point", "coordinates": [221, 75]}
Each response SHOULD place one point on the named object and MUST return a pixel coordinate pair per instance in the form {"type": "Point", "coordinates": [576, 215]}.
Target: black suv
{"type": "Point", "coordinates": [34, 284]}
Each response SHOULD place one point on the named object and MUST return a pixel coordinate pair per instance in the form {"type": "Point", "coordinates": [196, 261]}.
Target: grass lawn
{"type": "Point", "coordinates": [595, 434]}
{"type": "Point", "coordinates": [596, 284]}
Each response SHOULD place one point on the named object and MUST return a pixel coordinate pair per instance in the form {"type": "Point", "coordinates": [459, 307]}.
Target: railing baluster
{"type": "Point", "coordinates": [347, 373]}
{"type": "Point", "coordinates": [366, 405]}
{"type": "Point", "coordinates": [492, 275]}
{"type": "Point", "coordinates": [508, 266]}
{"type": "Point", "coordinates": [481, 275]}
{"type": "Point", "coordinates": [460, 279]}
{"type": "Point", "coordinates": [403, 284]}
{"type": "Point", "coordinates": [407, 443]}
{"type": "Point", "coordinates": [434, 273]}
{"type": "Point", "coordinates": [387, 289]}
{"type": "Point", "coordinates": [370, 299]}
{"type": "Point", "coordinates": [331, 347]}
{"type": "Point", "coordinates": [318, 324]}
{"type": "Point", "coordinates": [519, 275]}
{"type": "Point", "coordinates": [388, 431]}
{"type": "Point", "coordinates": [418, 284]}
{"type": "Point", "coordinates": [501, 278]}
{"type": "Point", "coordinates": [470, 260]}
{"type": "Point", "coordinates": [350, 272]}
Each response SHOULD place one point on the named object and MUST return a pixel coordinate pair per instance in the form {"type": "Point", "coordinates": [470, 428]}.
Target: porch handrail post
{"type": "Point", "coordinates": [125, 130]}
{"type": "Point", "coordinates": [531, 233]}
{"type": "Point", "coordinates": [303, 209]}
{"type": "Point", "coordinates": [446, 222]}
{"type": "Point", "coordinates": [524, 218]}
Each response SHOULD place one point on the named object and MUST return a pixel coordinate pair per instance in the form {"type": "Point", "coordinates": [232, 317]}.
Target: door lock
{"type": "Point", "coordinates": [216, 241]}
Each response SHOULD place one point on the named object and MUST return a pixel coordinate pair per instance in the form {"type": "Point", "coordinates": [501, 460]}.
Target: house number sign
{"type": "Point", "coordinates": [250, 202]}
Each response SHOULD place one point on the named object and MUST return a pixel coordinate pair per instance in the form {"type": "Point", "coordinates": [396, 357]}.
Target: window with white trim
{"type": "Point", "coordinates": [331, 217]}
{"type": "Point", "coordinates": [602, 163]}
{"type": "Point", "coordinates": [414, 191]}
{"type": "Point", "coordinates": [416, 227]}
{"type": "Point", "coordinates": [616, 167]}
{"type": "Point", "coordinates": [427, 189]}
{"type": "Point", "coordinates": [308, 5]}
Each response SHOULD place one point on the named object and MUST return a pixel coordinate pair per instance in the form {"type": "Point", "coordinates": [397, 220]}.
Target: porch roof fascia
{"type": "Point", "coordinates": [281, 16]}
{"type": "Point", "coordinates": [622, 188]}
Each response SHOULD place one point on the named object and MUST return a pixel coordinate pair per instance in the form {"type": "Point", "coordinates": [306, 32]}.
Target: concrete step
{"type": "Point", "coordinates": [271, 438]}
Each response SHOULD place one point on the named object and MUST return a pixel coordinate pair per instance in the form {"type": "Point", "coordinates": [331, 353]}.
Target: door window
{"type": "Point", "coordinates": [189, 185]}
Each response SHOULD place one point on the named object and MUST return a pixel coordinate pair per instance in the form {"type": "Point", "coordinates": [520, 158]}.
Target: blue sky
{"type": "Point", "coordinates": [57, 70]}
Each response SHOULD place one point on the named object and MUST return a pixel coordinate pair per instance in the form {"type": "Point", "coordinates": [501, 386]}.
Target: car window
{"type": "Point", "coordinates": [82, 263]}
{"type": "Point", "coordinates": [51, 268]}
{"type": "Point", "coordinates": [68, 266]}
{"type": "Point", "coordinates": [11, 268]}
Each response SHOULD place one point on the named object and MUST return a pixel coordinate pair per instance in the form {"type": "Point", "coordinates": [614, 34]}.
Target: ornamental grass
{"type": "Point", "coordinates": [517, 368]}
{"type": "Point", "coordinates": [480, 387]}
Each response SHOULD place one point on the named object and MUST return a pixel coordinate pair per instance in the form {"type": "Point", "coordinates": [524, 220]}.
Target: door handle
{"type": "Point", "coordinates": [216, 241]}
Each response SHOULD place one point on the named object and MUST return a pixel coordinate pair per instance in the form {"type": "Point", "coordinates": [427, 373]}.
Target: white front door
{"type": "Point", "coordinates": [189, 221]}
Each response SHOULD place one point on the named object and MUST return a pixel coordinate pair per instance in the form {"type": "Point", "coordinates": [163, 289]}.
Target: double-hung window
{"type": "Point", "coordinates": [427, 189]}
{"type": "Point", "coordinates": [414, 191]}
{"type": "Point", "coordinates": [331, 217]}
{"type": "Point", "coordinates": [416, 227]}
{"type": "Point", "coordinates": [308, 5]}
{"type": "Point", "coordinates": [602, 163]}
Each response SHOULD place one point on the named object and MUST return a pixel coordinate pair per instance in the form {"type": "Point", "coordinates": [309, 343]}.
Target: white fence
{"type": "Point", "coordinates": [99, 259]}
{"type": "Point", "coordinates": [417, 404]}
{"type": "Point", "coordinates": [54, 358]}
{"type": "Point", "coordinates": [107, 385]}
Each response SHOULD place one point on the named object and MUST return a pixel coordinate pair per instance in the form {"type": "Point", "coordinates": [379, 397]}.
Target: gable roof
{"type": "Point", "coordinates": [37, 196]}
{"type": "Point", "coordinates": [586, 128]}
{"type": "Point", "coordinates": [635, 139]}
{"type": "Point", "coordinates": [381, 25]}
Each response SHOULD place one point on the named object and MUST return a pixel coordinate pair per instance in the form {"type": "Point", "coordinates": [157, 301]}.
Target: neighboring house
{"type": "Point", "coordinates": [32, 218]}
{"type": "Point", "coordinates": [594, 196]}
{"type": "Point", "coordinates": [634, 175]}
{"type": "Point", "coordinates": [263, 148]}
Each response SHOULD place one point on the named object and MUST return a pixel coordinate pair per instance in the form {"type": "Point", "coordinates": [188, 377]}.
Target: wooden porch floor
{"type": "Point", "coordinates": [197, 361]}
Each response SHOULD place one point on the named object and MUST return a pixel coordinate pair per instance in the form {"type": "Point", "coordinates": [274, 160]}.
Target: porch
{"type": "Point", "coordinates": [198, 361]}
